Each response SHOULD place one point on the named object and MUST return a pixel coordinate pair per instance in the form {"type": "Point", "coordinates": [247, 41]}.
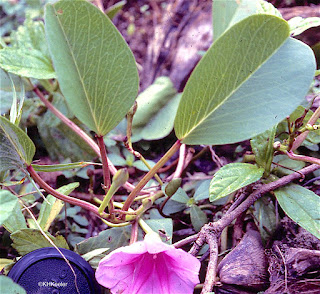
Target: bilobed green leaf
{"type": "Point", "coordinates": [198, 217]}
{"type": "Point", "coordinates": [262, 147]}
{"type": "Point", "coordinates": [16, 149]}
{"type": "Point", "coordinates": [48, 212]}
{"type": "Point", "coordinates": [302, 206]}
{"type": "Point", "coordinates": [95, 67]}
{"type": "Point", "coordinates": [27, 240]}
{"type": "Point", "coordinates": [8, 204]}
{"type": "Point", "coordinates": [232, 177]}
{"type": "Point", "coordinates": [10, 286]}
{"type": "Point", "coordinates": [250, 79]}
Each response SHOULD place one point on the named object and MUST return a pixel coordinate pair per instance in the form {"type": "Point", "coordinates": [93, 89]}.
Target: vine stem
{"type": "Point", "coordinates": [105, 163]}
{"type": "Point", "coordinates": [175, 147]}
{"type": "Point", "coordinates": [69, 199]}
{"type": "Point", "coordinates": [80, 133]}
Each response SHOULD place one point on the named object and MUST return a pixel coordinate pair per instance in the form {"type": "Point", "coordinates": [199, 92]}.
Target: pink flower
{"type": "Point", "coordinates": [149, 267]}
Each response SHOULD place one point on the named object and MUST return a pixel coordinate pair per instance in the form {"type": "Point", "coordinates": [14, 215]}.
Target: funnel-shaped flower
{"type": "Point", "coordinates": [149, 267]}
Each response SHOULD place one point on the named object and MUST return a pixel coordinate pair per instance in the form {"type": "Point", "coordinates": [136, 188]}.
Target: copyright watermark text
{"type": "Point", "coordinates": [52, 284]}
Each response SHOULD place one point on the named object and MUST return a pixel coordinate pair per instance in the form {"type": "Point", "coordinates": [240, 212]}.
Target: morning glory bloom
{"type": "Point", "coordinates": [149, 267]}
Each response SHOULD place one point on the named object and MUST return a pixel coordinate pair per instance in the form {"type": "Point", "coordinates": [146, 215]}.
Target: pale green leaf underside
{"type": "Point", "coordinates": [251, 78]}
{"type": "Point", "coordinates": [232, 177]}
{"type": "Point", "coordinates": [95, 67]}
{"type": "Point", "coordinates": [16, 147]}
{"type": "Point", "coordinates": [302, 206]}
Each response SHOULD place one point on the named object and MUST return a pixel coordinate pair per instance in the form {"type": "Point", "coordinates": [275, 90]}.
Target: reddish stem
{"type": "Point", "coordinates": [50, 190]}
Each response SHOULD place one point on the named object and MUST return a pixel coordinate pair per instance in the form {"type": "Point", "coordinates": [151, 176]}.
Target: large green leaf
{"type": "Point", "coordinates": [95, 67]}
{"type": "Point", "coordinates": [232, 177]}
{"type": "Point", "coordinates": [8, 203]}
{"type": "Point", "coordinates": [16, 147]}
{"type": "Point", "coordinates": [252, 77]}
{"type": "Point", "coordinates": [302, 206]}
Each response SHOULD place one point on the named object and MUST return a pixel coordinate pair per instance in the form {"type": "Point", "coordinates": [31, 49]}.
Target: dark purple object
{"type": "Point", "coordinates": [45, 271]}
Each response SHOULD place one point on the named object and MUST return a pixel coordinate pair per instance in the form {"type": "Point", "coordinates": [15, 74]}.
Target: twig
{"type": "Point", "coordinates": [285, 270]}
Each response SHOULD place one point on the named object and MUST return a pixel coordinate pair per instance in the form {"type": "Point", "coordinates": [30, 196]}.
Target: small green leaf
{"type": "Point", "coordinates": [312, 138]}
{"type": "Point", "coordinates": [8, 204]}
{"type": "Point", "coordinates": [48, 212]}
{"type": "Point", "coordinates": [262, 147]}
{"type": "Point", "coordinates": [26, 64]}
{"type": "Point", "coordinates": [234, 92]}
{"type": "Point", "coordinates": [302, 206]}
{"type": "Point", "coordinates": [94, 256]}
{"type": "Point", "coordinates": [232, 177]}
{"type": "Point", "coordinates": [16, 149]}
{"type": "Point", "coordinates": [15, 221]}
{"type": "Point", "coordinates": [265, 216]}
{"type": "Point", "coordinates": [27, 240]}
{"type": "Point", "coordinates": [298, 24]}
{"type": "Point", "coordinates": [112, 238]}
{"type": "Point", "coordinates": [60, 167]}
{"type": "Point", "coordinates": [198, 217]}
{"type": "Point", "coordinates": [10, 286]}
{"type": "Point", "coordinates": [157, 106]}
{"type": "Point", "coordinates": [162, 226]}
{"type": "Point", "coordinates": [286, 165]}
{"type": "Point", "coordinates": [29, 55]}
{"type": "Point", "coordinates": [202, 191]}
{"type": "Point", "coordinates": [96, 70]}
